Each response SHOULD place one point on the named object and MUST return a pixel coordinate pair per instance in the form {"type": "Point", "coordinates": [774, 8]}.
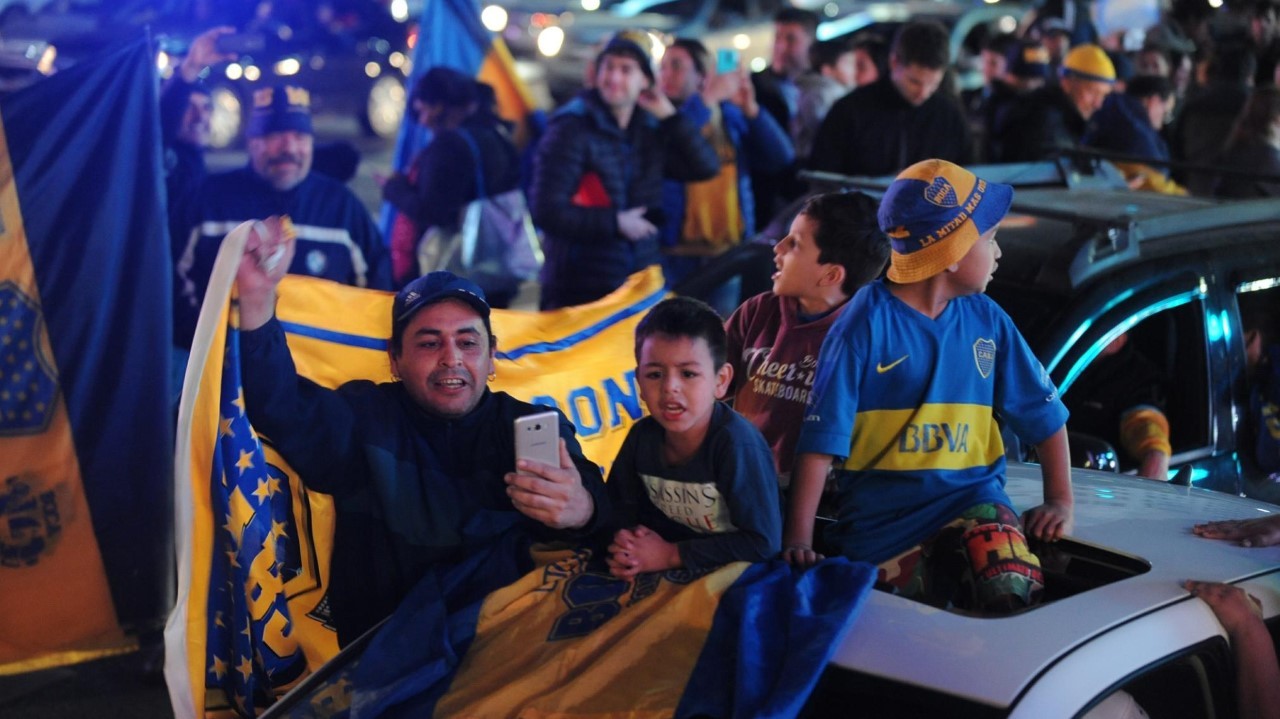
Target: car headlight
{"type": "Point", "coordinates": [550, 41]}
{"type": "Point", "coordinates": [288, 66]}
{"type": "Point", "coordinates": [494, 18]}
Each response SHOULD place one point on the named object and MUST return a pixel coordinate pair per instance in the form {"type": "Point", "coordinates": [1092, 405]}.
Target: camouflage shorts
{"type": "Point", "coordinates": [978, 562]}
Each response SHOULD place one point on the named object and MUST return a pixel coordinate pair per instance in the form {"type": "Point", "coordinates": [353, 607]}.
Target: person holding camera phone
{"type": "Point", "coordinates": [597, 176]}
{"type": "Point", "coordinates": [705, 219]}
{"type": "Point", "coordinates": [420, 468]}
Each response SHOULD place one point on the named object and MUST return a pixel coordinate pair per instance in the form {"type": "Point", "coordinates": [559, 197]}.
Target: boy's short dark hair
{"type": "Point", "coordinates": [685, 317]}
{"type": "Point", "coordinates": [849, 235]}
{"type": "Point", "coordinates": [1144, 86]}
{"type": "Point", "coordinates": [924, 43]}
{"type": "Point", "coordinates": [797, 16]}
{"type": "Point", "coordinates": [827, 52]}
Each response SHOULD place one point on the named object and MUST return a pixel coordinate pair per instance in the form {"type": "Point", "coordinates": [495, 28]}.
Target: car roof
{"type": "Point", "coordinates": [1057, 238]}
{"type": "Point", "coordinates": [994, 660]}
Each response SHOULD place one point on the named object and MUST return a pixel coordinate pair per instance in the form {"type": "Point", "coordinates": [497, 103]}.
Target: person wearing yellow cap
{"type": "Point", "coordinates": [908, 384]}
{"type": "Point", "coordinates": [1056, 117]}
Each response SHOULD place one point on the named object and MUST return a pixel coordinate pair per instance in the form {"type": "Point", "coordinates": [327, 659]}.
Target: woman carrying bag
{"type": "Point", "coordinates": [470, 156]}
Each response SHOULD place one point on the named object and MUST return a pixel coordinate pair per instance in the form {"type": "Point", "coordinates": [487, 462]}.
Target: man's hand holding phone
{"type": "Point", "coordinates": [551, 493]}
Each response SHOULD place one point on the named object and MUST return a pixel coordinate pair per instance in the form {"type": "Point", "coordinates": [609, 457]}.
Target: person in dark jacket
{"type": "Point", "coordinates": [1254, 147]}
{"type": "Point", "coordinates": [1056, 117]}
{"type": "Point", "coordinates": [442, 179]}
{"type": "Point", "coordinates": [422, 469]}
{"type": "Point", "coordinates": [597, 185]}
{"type": "Point", "coordinates": [337, 238]}
{"type": "Point", "coordinates": [778, 92]}
{"type": "Point", "coordinates": [900, 119]}
{"type": "Point", "coordinates": [1209, 114]}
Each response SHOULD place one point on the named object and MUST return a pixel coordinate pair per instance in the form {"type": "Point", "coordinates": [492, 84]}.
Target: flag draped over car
{"type": "Point", "coordinates": [254, 544]}
{"type": "Point", "coordinates": [85, 433]}
{"type": "Point", "coordinates": [481, 639]}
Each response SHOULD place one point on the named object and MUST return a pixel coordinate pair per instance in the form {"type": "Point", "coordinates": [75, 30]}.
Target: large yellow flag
{"type": "Point", "coordinates": [254, 543]}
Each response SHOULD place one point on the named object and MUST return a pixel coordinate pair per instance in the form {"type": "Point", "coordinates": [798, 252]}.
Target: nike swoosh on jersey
{"type": "Point", "coordinates": [882, 368]}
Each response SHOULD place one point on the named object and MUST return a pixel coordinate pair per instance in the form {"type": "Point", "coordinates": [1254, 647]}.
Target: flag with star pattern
{"type": "Point", "coordinates": [250, 651]}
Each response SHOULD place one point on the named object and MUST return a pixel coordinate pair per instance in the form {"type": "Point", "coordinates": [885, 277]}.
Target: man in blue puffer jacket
{"type": "Point", "coordinates": [597, 186]}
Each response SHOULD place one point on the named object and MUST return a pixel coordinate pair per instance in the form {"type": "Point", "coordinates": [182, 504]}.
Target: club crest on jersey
{"type": "Point", "coordinates": [942, 193]}
{"type": "Point", "coordinates": [316, 262]}
{"type": "Point", "coordinates": [984, 355]}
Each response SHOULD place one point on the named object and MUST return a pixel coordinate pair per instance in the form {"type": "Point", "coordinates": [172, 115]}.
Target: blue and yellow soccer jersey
{"type": "Point", "coordinates": [908, 402]}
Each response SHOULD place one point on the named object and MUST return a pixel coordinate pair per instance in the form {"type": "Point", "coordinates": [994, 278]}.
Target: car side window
{"type": "Point", "coordinates": [1196, 683]}
{"type": "Point", "coordinates": [1158, 363]}
{"type": "Point", "coordinates": [1258, 436]}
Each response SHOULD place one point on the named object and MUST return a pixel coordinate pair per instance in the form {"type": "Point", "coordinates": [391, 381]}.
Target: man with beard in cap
{"type": "Point", "coordinates": [336, 237]}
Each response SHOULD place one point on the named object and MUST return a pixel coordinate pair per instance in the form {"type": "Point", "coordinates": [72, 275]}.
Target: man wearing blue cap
{"type": "Point", "coordinates": [909, 380]}
{"type": "Point", "coordinates": [420, 468]}
{"type": "Point", "coordinates": [337, 240]}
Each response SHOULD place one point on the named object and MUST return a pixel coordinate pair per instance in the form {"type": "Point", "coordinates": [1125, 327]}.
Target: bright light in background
{"type": "Point", "coordinates": [162, 61]}
{"type": "Point", "coordinates": [396, 59]}
{"type": "Point", "coordinates": [590, 5]}
{"type": "Point", "coordinates": [741, 41]}
{"type": "Point", "coordinates": [758, 64]}
{"type": "Point", "coordinates": [1008, 24]}
{"type": "Point", "coordinates": [234, 71]}
{"type": "Point", "coordinates": [831, 9]}
{"type": "Point", "coordinates": [288, 66]}
{"type": "Point", "coordinates": [400, 10]}
{"type": "Point", "coordinates": [550, 40]}
{"type": "Point", "coordinates": [372, 69]}
{"type": "Point", "coordinates": [252, 73]}
{"type": "Point", "coordinates": [657, 48]}
{"type": "Point", "coordinates": [991, 2]}
{"type": "Point", "coordinates": [1215, 4]}
{"type": "Point", "coordinates": [45, 66]}
{"type": "Point", "coordinates": [494, 18]}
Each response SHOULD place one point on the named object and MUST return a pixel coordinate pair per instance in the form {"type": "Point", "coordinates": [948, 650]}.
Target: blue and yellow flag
{"type": "Point", "coordinates": [85, 434]}
{"type": "Point", "coordinates": [569, 640]}
{"type": "Point", "coordinates": [254, 543]}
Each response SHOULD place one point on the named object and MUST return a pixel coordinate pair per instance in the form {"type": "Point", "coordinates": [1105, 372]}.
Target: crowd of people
{"type": "Point", "coordinates": [838, 398]}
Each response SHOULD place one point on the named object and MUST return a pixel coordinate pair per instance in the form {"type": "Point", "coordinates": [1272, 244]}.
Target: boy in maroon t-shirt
{"type": "Point", "coordinates": [834, 247]}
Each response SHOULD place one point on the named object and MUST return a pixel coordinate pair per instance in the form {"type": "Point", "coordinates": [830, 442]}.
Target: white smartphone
{"type": "Point", "coordinates": [538, 438]}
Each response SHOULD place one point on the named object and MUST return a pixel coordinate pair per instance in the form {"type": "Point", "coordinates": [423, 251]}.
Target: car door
{"type": "Point", "coordinates": [1166, 314]}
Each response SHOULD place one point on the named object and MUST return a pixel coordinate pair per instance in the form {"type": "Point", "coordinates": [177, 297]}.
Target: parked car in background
{"type": "Point", "coordinates": [560, 42]}
{"type": "Point", "coordinates": [354, 57]}
{"type": "Point", "coordinates": [563, 41]}
{"type": "Point", "coordinates": [355, 63]}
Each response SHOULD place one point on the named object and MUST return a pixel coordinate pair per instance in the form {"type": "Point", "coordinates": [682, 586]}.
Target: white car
{"type": "Point", "coordinates": [1116, 618]}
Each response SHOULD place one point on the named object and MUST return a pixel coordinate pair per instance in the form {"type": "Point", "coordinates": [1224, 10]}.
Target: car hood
{"type": "Point", "coordinates": [993, 660]}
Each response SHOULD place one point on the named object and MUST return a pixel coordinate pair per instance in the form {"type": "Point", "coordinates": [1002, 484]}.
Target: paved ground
{"type": "Point", "coordinates": [125, 687]}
